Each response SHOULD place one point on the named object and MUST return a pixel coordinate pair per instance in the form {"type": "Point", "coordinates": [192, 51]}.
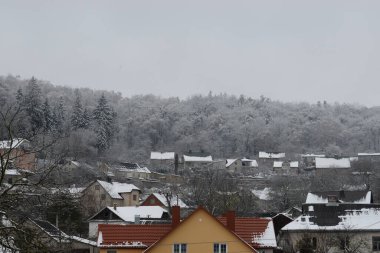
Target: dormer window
{"type": "Point", "coordinates": [332, 199]}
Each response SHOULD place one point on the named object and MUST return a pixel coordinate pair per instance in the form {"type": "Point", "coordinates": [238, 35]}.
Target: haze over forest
{"type": "Point", "coordinates": [222, 124]}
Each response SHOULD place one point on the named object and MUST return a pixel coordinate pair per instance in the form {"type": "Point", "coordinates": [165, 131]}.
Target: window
{"type": "Point", "coordinates": [220, 248]}
{"type": "Point", "coordinates": [180, 248]}
{"type": "Point", "coordinates": [134, 197]}
{"type": "Point", "coordinates": [152, 201]}
{"type": "Point", "coordinates": [376, 243]}
{"type": "Point", "coordinates": [103, 196]}
{"type": "Point", "coordinates": [97, 187]}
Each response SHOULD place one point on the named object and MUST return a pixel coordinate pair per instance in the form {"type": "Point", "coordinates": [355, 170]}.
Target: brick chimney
{"type": "Point", "coordinates": [176, 216]}
{"type": "Point", "coordinates": [231, 220]}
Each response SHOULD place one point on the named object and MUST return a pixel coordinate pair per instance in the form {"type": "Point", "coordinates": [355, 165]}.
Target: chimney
{"type": "Point", "coordinates": [114, 206]}
{"type": "Point", "coordinates": [231, 220]}
{"type": "Point", "coordinates": [137, 219]}
{"type": "Point", "coordinates": [176, 163]}
{"type": "Point", "coordinates": [176, 216]}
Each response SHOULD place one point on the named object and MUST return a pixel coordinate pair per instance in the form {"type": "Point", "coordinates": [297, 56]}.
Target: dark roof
{"type": "Point", "coordinates": [126, 165]}
{"type": "Point", "coordinates": [201, 153]}
{"type": "Point", "coordinates": [49, 228]}
{"type": "Point", "coordinates": [328, 214]}
{"type": "Point", "coordinates": [344, 196]}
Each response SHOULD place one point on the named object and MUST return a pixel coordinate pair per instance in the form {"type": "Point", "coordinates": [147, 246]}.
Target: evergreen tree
{"type": "Point", "coordinates": [86, 118]}
{"type": "Point", "coordinates": [48, 117]}
{"type": "Point", "coordinates": [20, 97]}
{"type": "Point", "coordinates": [33, 104]}
{"type": "Point", "coordinates": [104, 117]}
{"type": "Point", "coordinates": [77, 119]}
{"type": "Point", "coordinates": [59, 117]}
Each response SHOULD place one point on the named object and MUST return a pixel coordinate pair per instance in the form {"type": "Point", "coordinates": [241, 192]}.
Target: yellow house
{"type": "Point", "coordinates": [200, 232]}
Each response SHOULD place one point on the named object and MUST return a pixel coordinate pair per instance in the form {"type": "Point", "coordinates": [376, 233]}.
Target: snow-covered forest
{"type": "Point", "coordinates": [106, 123]}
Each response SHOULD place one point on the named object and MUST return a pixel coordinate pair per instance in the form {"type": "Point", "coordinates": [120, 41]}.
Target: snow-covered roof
{"type": "Point", "coordinates": [175, 201]}
{"type": "Point", "coordinates": [268, 238]}
{"type": "Point", "coordinates": [312, 155]}
{"type": "Point", "coordinates": [271, 155]}
{"type": "Point", "coordinates": [6, 144]}
{"type": "Point", "coordinates": [263, 194]}
{"type": "Point", "coordinates": [83, 240]}
{"type": "Point", "coordinates": [361, 219]}
{"type": "Point", "coordinates": [128, 213]}
{"type": "Point", "coordinates": [162, 155]}
{"type": "Point", "coordinates": [253, 162]}
{"type": "Point", "coordinates": [331, 163]}
{"type": "Point", "coordinates": [368, 154]}
{"type": "Point", "coordinates": [115, 188]}
{"type": "Point", "coordinates": [12, 172]}
{"type": "Point", "coordinates": [139, 169]}
{"type": "Point", "coordinates": [294, 164]}
{"type": "Point", "coordinates": [187, 158]}
{"type": "Point", "coordinates": [229, 162]}
{"type": "Point", "coordinates": [277, 164]}
{"type": "Point", "coordinates": [354, 159]}
{"type": "Point", "coordinates": [357, 197]}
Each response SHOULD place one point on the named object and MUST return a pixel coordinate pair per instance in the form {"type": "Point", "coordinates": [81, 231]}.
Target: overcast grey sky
{"type": "Point", "coordinates": [286, 50]}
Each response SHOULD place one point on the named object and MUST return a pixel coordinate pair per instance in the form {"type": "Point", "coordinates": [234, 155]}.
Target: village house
{"type": "Point", "coordinates": [11, 176]}
{"type": "Point", "coordinates": [308, 160]}
{"type": "Point", "coordinates": [160, 199]}
{"type": "Point", "coordinates": [335, 221]}
{"type": "Point", "coordinates": [100, 194]}
{"type": "Point", "coordinates": [369, 157]}
{"type": "Point", "coordinates": [199, 232]}
{"type": "Point", "coordinates": [248, 163]}
{"type": "Point", "coordinates": [164, 162]}
{"type": "Point", "coordinates": [242, 165]}
{"type": "Point", "coordinates": [129, 170]}
{"type": "Point", "coordinates": [19, 153]}
{"type": "Point", "coordinates": [326, 165]}
{"type": "Point", "coordinates": [127, 215]}
{"type": "Point", "coordinates": [286, 167]}
{"type": "Point", "coordinates": [234, 165]}
{"type": "Point", "coordinates": [196, 160]}
{"type": "Point", "coordinates": [266, 159]}
{"type": "Point", "coordinates": [52, 239]}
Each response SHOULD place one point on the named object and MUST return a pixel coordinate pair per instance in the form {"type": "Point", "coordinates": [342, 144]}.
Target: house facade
{"type": "Point", "coordinates": [100, 194]}
{"type": "Point", "coordinates": [199, 232]}
{"type": "Point", "coordinates": [335, 221]}
{"type": "Point", "coordinates": [19, 153]}
{"type": "Point", "coordinates": [164, 161]}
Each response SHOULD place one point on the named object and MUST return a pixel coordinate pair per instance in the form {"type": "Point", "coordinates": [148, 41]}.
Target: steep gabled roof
{"type": "Point", "coordinates": [175, 201]}
{"type": "Point", "coordinates": [14, 143]}
{"type": "Point", "coordinates": [128, 213]}
{"type": "Point", "coordinates": [115, 188]}
{"type": "Point", "coordinates": [199, 209]}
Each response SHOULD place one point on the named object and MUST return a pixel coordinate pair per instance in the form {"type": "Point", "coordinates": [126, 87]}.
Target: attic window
{"type": "Point", "coordinates": [332, 198]}
{"type": "Point", "coordinates": [97, 187]}
{"type": "Point", "coordinates": [303, 219]}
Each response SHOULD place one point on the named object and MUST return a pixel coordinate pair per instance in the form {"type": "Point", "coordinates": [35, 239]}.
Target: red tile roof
{"type": "Point", "coordinates": [247, 228]}
{"type": "Point", "coordinates": [120, 234]}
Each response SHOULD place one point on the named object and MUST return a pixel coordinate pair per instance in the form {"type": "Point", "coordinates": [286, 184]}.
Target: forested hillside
{"type": "Point", "coordinates": [106, 124]}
